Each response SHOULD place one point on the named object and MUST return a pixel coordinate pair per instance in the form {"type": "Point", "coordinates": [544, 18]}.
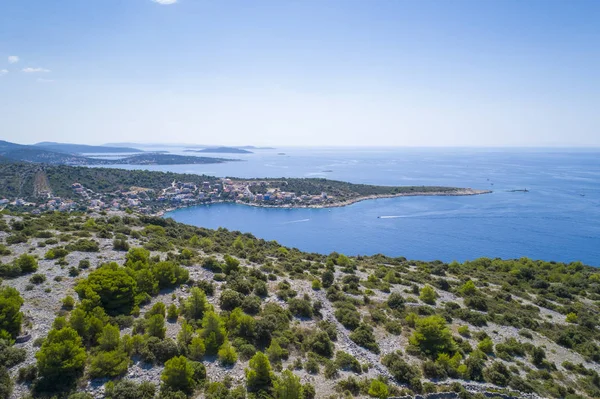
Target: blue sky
{"type": "Point", "coordinates": [326, 72]}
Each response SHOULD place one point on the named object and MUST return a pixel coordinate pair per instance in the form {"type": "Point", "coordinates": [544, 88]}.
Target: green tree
{"type": "Point", "coordinates": [213, 332]}
{"type": "Point", "coordinates": [10, 312]}
{"type": "Point", "coordinates": [146, 282]}
{"type": "Point", "coordinates": [259, 375]}
{"type": "Point", "coordinates": [109, 338]}
{"type": "Point", "coordinates": [169, 274]}
{"type": "Point", "coordinates": [378, 389]}
{"type": "Point", "coordinates": [230, 300]}
{"type": "Point", "coordinates": [288, 386]}
{"type": "Point", "coordinates": [227, 354]}
{"type": "Point", "coordinates": [172, 312]}
{"type": "Point", "coordinates": [432, 336]}
{"type": "Point", "coordinates": [231, 264]}
{"type": "Point", "coordinates": [196, 348]}
{"type": "Point", "coordinates": [178, 375]}
{"type": "Point", "coordinates": [111, 287]}
{"type": "Point", "coordinates": [428, 295]}
{"type": "Point", "coordinates": [137, 258]}
{"type": "Point", "coordinates": [196, 305]}
{"type": "Point", "coordinates": [155, 326]}
{"type": "Point", "coordinates": [62, 356]}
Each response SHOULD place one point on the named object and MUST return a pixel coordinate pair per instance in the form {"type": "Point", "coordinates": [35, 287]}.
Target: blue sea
{"type": "Point", "coordinates": [557, 219]}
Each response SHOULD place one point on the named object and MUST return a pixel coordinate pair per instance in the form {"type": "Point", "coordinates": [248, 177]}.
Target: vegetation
{"type": "Point", "coordinates": [181, 297]}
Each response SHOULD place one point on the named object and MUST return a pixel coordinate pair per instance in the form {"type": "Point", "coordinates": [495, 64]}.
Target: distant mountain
{"type": "Point", "coordinates": [83, 148]}
{"type": "Point", "coordinates": [30, 153]}
{"type": "Point", "coordinates": [40, 154]}
{"type": "Point", "coordinates": [222, 150]}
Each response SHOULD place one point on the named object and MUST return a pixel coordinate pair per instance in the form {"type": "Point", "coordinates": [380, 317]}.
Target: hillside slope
{"type": "Point", "coordinates": [210, 302]}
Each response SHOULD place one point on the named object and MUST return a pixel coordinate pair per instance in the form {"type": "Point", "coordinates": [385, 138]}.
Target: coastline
{"type": "Point", "coordinates": [458, 193]}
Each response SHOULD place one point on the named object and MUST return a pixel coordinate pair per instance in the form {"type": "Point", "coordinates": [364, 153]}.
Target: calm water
{"type": "Point", "coordinates": [558, 219]}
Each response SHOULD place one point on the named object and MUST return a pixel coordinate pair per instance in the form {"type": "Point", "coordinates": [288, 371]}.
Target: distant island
{"type": "Point", "coordinates": [60, 187]}
{"type": "Point", "coordinates": [85, 149]}
{"type": "Point", "coordinates": [221, 150]}
{"type": "Point", "coordinates": [68, 154]}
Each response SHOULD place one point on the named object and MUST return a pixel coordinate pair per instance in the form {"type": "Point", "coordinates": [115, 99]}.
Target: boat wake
{"type": "Point", "coordinates": [297, 221]}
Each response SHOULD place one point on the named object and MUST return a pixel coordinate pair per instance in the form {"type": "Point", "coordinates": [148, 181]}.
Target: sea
{"type": "Point", "coordinates": [545, 203]}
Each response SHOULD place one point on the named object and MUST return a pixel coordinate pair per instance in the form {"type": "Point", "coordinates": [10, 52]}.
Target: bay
{"type": "Point", "coordinates": [557, 219]}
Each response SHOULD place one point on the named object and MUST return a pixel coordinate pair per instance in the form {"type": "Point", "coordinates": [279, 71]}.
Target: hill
{"type": "Point", "coordinates": [83, 149]}
{"type": "Point", "coordinates": [131, 301]}
{"type": "Point", "coordinates": [49, 155]}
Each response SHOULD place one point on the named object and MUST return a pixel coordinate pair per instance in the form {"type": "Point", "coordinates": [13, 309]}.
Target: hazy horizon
{"type": "Point", "coordinates": [277, 73]}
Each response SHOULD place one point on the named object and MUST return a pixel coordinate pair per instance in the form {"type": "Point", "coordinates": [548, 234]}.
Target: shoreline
{"type": "Point", "coordinates": [458, 193]}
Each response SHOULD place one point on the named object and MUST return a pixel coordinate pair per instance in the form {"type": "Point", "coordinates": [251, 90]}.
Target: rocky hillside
{"type": "Point", "coordinates": [121, 306]}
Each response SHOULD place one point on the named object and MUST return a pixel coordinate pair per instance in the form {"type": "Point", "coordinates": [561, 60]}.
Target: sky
{"type": "Point", "coordinates": [304, 72]}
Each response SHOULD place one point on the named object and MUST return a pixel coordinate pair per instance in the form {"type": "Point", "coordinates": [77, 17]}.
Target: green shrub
{"type": "Point", "coordinates": [27, 263]}
{"type": "Point", "coordinates": [37, 279]}
{"type": "Point", "coordinates": [393, 327]}
{"type": "Point", "coordinates": [120, 244]}
{"type": "Point", "coordinates": [84, 245]}
{"type": "Point", "coordinates": [126, 389]}
{"type": "Point", "coordinates": [347, 362]}
{"type": "Point", "coordinates": [400, 369]}
{"type": "Point", "coordinates": [363, 336]}
{"type": "Point", "coordinates": [486, 346]}
{"type": "Point", "coordinates": [428, 295]}
{"type": "Point", "coordinates": [300, 307]}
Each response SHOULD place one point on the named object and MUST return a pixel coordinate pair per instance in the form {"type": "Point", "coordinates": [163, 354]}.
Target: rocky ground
{"type": "Point", "coordinates": [43, 303]}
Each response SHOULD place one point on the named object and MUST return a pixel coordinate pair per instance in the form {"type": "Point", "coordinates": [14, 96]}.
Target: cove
{"type": "Point", "coordinates": [502, 224]}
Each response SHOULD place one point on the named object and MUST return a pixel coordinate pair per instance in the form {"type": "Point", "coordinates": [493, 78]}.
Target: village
{"type": "Point", "coordinates": [178, 194]}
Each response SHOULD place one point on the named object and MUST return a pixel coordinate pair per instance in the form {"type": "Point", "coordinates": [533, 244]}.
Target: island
{"type": "Point", "coordinates": [221, 150]}
{"type": "Point", "coordinates": [115, 304]}
{"type": "Point", "coordinates": [60, 187]}
{"type": "Point", "coordinates": [85, 149]}
{"type": "Point", "coordinates": [57, 154]}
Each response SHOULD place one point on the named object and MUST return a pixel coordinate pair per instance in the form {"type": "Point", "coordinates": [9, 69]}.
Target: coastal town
{"type": "Point", "coordinates": [178, 194]}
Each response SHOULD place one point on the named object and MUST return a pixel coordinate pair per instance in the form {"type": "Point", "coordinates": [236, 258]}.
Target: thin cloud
{"type": "Point", "coordinates": [165, 2]}
{"type": "Point", "coordinates": [35, 70]}
{"type": "Point", "coordinates": [3, 72]}
{"type": "Point", "coordinates": [13, 59]}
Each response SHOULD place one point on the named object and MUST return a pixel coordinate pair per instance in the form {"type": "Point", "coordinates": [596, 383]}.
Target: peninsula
{"type": "Point", "coordinates": [40, 188]}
